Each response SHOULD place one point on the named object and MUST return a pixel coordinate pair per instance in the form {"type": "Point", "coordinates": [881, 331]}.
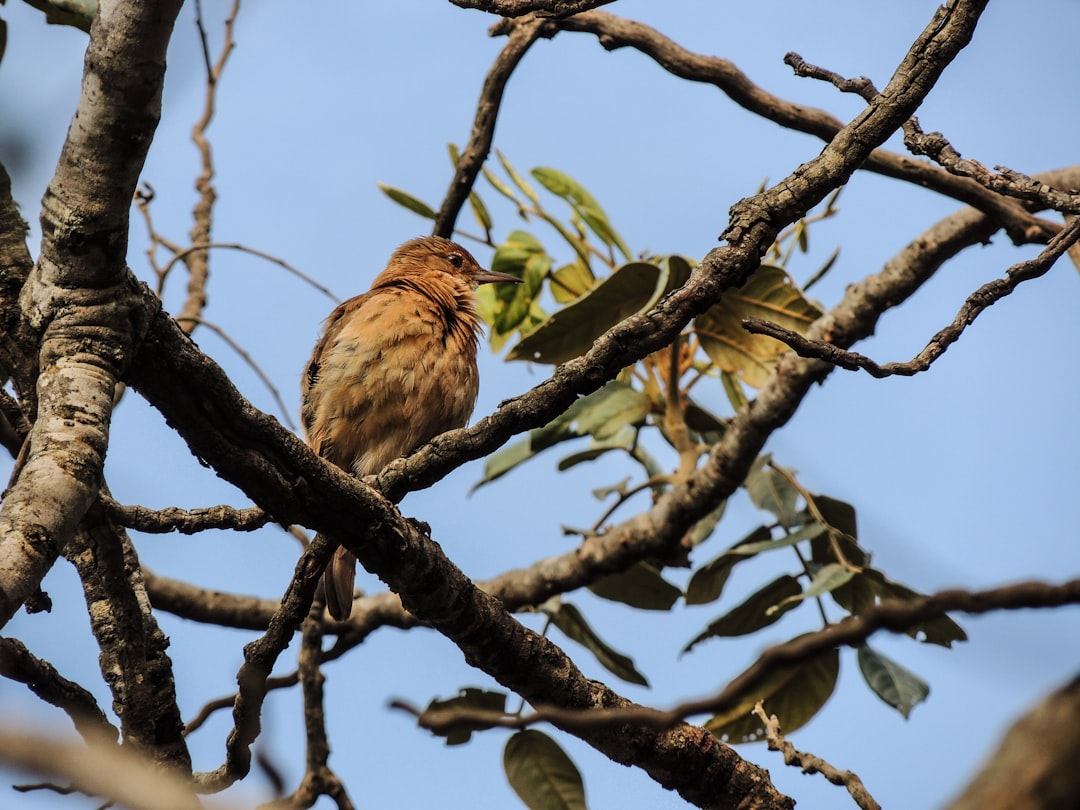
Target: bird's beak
{"type": "Point", "coordinates": [493, 277]}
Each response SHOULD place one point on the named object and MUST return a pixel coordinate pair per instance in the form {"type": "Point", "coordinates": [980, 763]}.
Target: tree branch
{"type": "Point", "coordinates": [19, 664]}
{"type": "Point", "coordinates": [79, 297]}
{"type": "Point", "coordinates": [1034, 766]}
{"type": "Point", "coordinates": [614, 32]}
{"type": "Point", "coordinates": [986, 296]}
{"type": "Point", "coordinates": [542, 8]}
{"type": "Point", "coordinates": [523, 34]}
{"type": "Point", "coordinates": [809, 763]}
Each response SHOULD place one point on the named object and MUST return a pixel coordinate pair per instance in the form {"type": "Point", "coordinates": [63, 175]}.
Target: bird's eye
{"type": "Point", "coordinates": [455, 259]}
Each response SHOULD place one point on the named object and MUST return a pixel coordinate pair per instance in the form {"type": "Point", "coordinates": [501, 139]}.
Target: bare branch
{"type": "Point", "coordinates": [542, 8]}
{"type": "Point", "coordinates": [197, 261]}
{"type": "Point", "coordinates": [614, 32]}
{"type": "Point", "coordinates": [117, 773]}
{"type": "Point", "coordinates": [522, 35]}
{"type": "Point", "coordinates": [897, 616]}
{"type": "Point", "coordinates": [133, 660]}
{"type": "Point", "coordinates": [862, 86]}
{"type": "Point", "coordinates": [319, 779]}
{"type": "Point", "coordinates": [986, 296]}
{"type": "Point", "coordinates": [83, 303]}
{"type": "Point", "coordinates": [185, 521]}
{"type": "Point", "coordinates": [809, 763]}
{"type": "Point", "coordinates": [1008, 182]}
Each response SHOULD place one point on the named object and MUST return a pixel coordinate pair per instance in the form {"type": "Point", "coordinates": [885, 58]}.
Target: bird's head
{"type": "Point", "coordinates": [439, 261]}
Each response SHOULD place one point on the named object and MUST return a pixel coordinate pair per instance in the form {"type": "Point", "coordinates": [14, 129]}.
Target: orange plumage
{"type": "Point", "coordinates": [394, 368]}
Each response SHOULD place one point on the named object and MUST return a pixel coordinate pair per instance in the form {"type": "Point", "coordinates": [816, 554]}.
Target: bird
{"type": "Point", "coordinates": [393, 368]}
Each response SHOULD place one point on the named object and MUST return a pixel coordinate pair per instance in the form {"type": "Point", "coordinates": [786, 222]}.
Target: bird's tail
{"type": "Point", "coordinates": [338, 581]}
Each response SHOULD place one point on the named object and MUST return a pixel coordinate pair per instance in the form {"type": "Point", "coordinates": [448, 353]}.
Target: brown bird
{"type": "Point", "coordinates": [394, 368]}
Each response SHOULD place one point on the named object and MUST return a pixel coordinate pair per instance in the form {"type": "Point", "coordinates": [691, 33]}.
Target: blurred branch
{"type": "Point", "coordinates": [1034, 766]}
{"type": "Point", "coordinates": [614, 32]}
{"type": "Point", "coordinates": [19, 664]}
{"type": "Point", "coordinates": [986, 296]}
{"type": "Point", "coordinates": [523, 34]}
{"type": "Point", "coordinates": [810, 763]}
{"type": "Point", "coordinates": [120, 774]}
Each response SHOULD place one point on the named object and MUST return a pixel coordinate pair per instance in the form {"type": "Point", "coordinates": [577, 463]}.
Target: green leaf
{"type": "Point", "coordinates": [500, 463]}
{"type": "Point", "coordinates": [469, 698]}
{"type": "Point", "coordinates": [640, 586]}
{"type": "Point", "coordinates": [755, 613]}
{"type": "Point", "coordinates": [708, 582]}
{"type": "Point", "coordinates": [679, 270]}
{"type": "Point", "coordinates": [571, 331]}
{"type": "Point", "coordinates": [602, 414]}
{"type": "Point", "coordinates": [480, 211]}
{"type": "Point", "coordinates": [704, 528]}
{"type": "Point", "coordinates": [734, 390]}
{"type": "Point", "coordinates": [871, 585]}
{"type": "Point", "coordinates": [517, 179]}
{"type": "Point", "coordinates": [769, 294]}
{"type": "Point", "coordinates": [899, 687]}
{"type": "Point", "coordinates": [704, 422]}
{"type": "Point", "coordinates": [570, 620]}
{"type": "Point", "coordinates": [583, 203]}
{"type": "Point", "coordinates": [405, 199]}
{"type": "Point", "coordinates": [504, 189]}
{"type": "Point", "coordinates": [541, 773]}
{"type": "Point", "coordinates": [808, 532]}
{"type": "Point", "coordinates": [794, 694]}
{"type": "Point", "coordinates": [825, 580]}
{"type": "Point", "coordinates": [571, 281]}
{"type": "Point", "coordinates": [620, 441]}
{"type": "Point", "coordinates": [771, 491]}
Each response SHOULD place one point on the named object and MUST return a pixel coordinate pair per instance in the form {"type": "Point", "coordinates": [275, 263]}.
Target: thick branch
{"type": "Point", "coordinates": [79, 296]}
{"type": "Point", "coordinates": [614, 32]}
{"type": "Point", "coordinates": [1034, 767]}
{"type": "Point", "coordinates": [133, 659]}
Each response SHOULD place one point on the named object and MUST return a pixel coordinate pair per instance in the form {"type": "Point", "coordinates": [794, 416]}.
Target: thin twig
{"type": "Point", "coordinates": [185, 521]}
{"type": "Point", "coordinates": [247, 358]}
{"type": "Point", "coordinates": [986, 296]}
{"type": "Point", "coordinates": [615, 32]}
{"type": "Point", "coordinates": [894, 615]}
{"type": "Point", "coordinates": [814, 764]}
{"type": "Point", "coordinates": [181, 255]}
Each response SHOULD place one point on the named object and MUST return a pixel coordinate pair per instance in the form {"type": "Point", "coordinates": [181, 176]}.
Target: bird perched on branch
{"type": "Point", "coordinates": [394, 368]}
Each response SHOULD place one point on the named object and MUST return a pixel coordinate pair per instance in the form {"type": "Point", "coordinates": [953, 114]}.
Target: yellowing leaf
{"type": "Point", "coordinates": [768, 294]}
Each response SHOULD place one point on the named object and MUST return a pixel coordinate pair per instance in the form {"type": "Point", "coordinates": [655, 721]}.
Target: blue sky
{"type": "Point", "coordinates": [963, 476]}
